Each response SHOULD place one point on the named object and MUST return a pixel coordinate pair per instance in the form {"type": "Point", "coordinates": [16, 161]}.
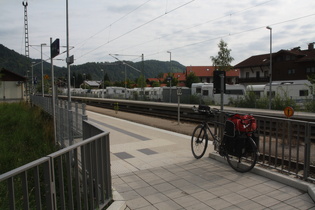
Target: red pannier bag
{"type": "Point", "coordinates": [243, 123]}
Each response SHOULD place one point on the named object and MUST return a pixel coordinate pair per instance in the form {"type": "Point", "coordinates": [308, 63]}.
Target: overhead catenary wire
{"type": "Point", "coordinates": [137, 27]}
{"type": "Point", "coordinates": [154, 51]}
{"type": "Point", "coordinates": [229, 34]}
{"type": "Point", "coordinates": [111, 24]}
{"type": "Point", "coordinates": [200, 24]}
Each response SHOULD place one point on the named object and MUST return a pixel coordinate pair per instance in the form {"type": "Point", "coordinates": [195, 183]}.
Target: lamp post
{"type": "Point", "coordinates": [28, 95]}
{"type": "Point", "coordinates": [125, 81]}
{"type": "Point", "coordinates": [41, 57]}
{"type": "Point", "coordinates": [270, 77]}
{"type": "Point", "coordinates": [32, 87]}
{"type": "Point", "coordinates": [103, 83]}
{"type": "Point", "coordinates": [171, 78]}
{"type": "Point", "coordinates": [84, 80]}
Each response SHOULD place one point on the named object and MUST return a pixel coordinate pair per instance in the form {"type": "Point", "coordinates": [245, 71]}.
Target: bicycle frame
{"type": "Point", "coordinates": [240, 151]}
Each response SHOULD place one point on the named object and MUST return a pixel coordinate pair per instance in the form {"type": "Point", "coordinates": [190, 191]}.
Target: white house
{"type": "Point", "coordinates": [12, 86]}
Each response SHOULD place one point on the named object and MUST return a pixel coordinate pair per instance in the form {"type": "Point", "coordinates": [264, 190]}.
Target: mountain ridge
{"type": "Point", "coordinates": [17, 63]}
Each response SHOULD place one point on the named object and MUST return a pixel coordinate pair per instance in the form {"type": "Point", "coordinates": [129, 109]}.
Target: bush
{"type": "Point", "coordinates": [310, 106]}
{"type": "Point", "coordinates": [279, 103]}
{"type": "Point", "coordinates": [250, 101]}
{"type": "Point", "coordinates": [26, 135]}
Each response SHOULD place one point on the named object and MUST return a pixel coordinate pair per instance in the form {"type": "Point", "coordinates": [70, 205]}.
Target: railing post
{"type": "Point", "coordinates": [307, 152]}
{"type": "Point", "coordinates": [84, 116]}
{"type": "Point", "coordinates": [11, 193]}
{"type": "Point", "coordinates": [50, 185]}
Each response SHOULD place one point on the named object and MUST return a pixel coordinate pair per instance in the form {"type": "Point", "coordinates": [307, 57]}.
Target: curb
{"type": "Point", "coordinates": [292, 182]}
{"type": "Point", "coordinates": [119, 202]}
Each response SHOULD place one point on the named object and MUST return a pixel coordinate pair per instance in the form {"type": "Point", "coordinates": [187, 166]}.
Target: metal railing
{"type": "Point", "coordinates": [284, 144]}
{"type": "Point", "coordinates": [287, 145]}
{"type": "Point", "coordinates": [68, 118]}
{"type": "Point", "coordinates": [75, 177]}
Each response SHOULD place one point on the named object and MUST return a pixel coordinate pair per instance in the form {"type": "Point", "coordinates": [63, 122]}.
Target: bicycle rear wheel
{"type": "Point", "coordinates": [246, 159]}
{"type": "Point", "coordinates": [199, 141]}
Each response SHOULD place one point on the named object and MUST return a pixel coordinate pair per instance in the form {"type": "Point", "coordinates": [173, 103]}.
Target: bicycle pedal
{"type": "Point", "coordinates": [222, 153]}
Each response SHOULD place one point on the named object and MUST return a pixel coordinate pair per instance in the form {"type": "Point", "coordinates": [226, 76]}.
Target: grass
{"type": "Point", "coordinates": [26, 135]}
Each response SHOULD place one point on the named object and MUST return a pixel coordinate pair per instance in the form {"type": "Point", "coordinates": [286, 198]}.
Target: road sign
{"type": "Point", "coordinates": [218, 87]}
{"type": "Point", "coordinates": [54, 48]}
{"type": "Point", "coordinates": [288, 111]}
{"type": "Point", "coordinates": [179, 91]}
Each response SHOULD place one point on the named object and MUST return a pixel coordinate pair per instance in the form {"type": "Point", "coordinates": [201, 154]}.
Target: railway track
{"type": "Point", "coordinates": [269, 128]}
{"type": "Point", "coordinates": [170, 109]}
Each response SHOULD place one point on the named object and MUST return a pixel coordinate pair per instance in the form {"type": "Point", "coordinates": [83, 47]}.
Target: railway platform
{"type": "Point", "coordinates": [154, 168]}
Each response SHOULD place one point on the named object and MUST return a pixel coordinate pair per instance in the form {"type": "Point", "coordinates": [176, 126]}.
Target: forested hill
{"type": "Point", "coordinates": [15, 62]}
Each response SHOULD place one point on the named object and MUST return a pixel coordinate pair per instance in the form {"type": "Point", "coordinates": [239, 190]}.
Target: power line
{"type": "Point", "coordinates": [197, 25]}
{"type": "Point", "coordinates": [233, 34]}
{"type": "Point", "coordinates": [124, 34]}
{"type": "Point", "coordinates": [110, 25]}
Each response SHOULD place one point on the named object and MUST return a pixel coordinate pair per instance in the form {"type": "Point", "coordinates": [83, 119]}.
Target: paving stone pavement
{"type": "Point", "coordinates": [205, 184]}
{"type": "Point", "coordinates": [154, 169]}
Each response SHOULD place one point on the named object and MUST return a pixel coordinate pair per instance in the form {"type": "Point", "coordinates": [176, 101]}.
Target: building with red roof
{"type": "Point", "coordinates": [205, 74]}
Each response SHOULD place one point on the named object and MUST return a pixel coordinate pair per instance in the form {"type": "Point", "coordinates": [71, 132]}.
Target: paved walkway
{"type": "Point", "coordinates": [154, 169]}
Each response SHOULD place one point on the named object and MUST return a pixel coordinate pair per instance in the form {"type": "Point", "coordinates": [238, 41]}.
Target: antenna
{"type": "Point", "coordinates": [27, 50]}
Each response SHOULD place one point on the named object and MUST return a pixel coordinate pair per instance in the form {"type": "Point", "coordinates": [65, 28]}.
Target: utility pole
{"type": "Point", "coordinates": [68, 60]}
{"type": "Point", "coordinates": [143, 78]}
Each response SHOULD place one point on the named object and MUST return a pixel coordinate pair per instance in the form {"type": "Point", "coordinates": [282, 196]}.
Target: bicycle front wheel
{"type": "Point", "coordinates": [199, 141]}
{"type": "Point", "coordinates": [245, 159]}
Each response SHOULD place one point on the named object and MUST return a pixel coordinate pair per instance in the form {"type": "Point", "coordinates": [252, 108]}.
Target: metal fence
{"type": "Point", "coordinates": [68, 118]}
{"type": "Point", "coordinates": [75, 177]}
{"type": "Point", "coordinates": [287, 145]}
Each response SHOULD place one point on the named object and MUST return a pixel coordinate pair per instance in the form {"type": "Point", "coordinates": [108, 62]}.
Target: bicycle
{"type": "Point", "coordinates": [240, 150]}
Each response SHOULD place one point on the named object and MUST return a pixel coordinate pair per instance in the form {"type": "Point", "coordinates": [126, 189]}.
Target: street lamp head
{"type": "Point", "coordinates": [169, 52]}
{"type": "Point", "coordinates": [43, 44]}
{"type": "Point", "coordinates": [268, 27]}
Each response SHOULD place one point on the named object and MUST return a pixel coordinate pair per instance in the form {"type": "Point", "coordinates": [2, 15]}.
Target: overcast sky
{"type": "Point", "coordinates": [189, 29]}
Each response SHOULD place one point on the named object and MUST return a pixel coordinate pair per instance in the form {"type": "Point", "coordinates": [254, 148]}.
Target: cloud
{"type": "Point", "coordinates": [190, 29]}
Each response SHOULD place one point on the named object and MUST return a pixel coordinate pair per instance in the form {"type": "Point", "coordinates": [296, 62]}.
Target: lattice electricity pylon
{"type": "Point", "coordinates": [27, 50]}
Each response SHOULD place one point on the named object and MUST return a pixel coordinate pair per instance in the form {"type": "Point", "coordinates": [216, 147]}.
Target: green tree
{"type": "Point", "coordinates": [174, 80]}
{"type": "Point", "coordinates": [107, 84]}
{"type": "Point", "coordinates": [191, 78]}
{"type": "Point", "coordinates": [156, 84]}
{"type": "Point", "coordinates": [222, 61]}
{"type": "Point", "coordinates": [141, 82]}
{"type": "Point", "coordinates": [106, 77]}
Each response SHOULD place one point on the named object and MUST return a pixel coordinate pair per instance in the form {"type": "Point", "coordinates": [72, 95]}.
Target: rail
{"type": "Point", "coordinates": [75, 177]}
{"type": "Point", "coordinates": [170, 109]}
{"type": "Point", "coordinates": [287, 145]}
{"type": "Point", "coordinates": [68, 118]}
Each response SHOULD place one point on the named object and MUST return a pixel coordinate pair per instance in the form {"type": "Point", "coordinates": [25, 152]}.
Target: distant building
{"type": "Point", "coordinates": [294, 64]}
{"type": "Point", "coordinates": [205, 74]}
{"type": "Point", "coordinates": [12, 86]}
{"type": "Point", "coordinates": [89, 84]}
{"type": "Point", "coordinates": [150, 81]}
